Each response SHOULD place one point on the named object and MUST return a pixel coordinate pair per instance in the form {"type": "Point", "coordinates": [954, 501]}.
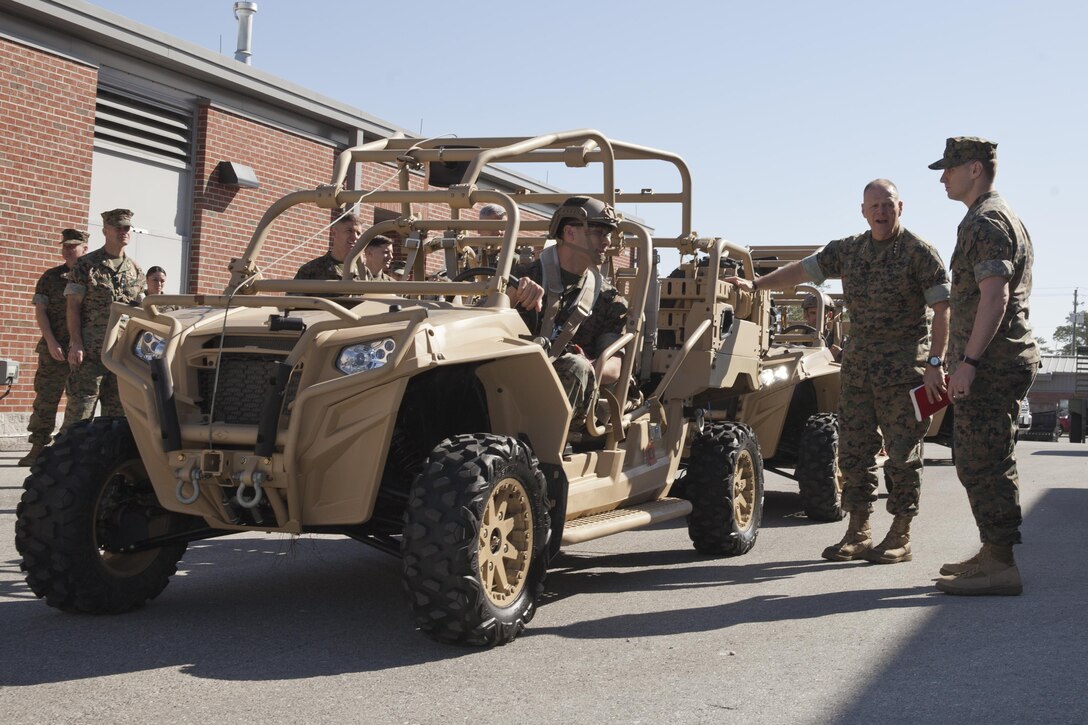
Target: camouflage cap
{"type": "Point", "coordinates": [73, 237]}
{"type": "Point", "coordinates": [961, 149]}
{"type": "Point", "coordinates": [117, 217]}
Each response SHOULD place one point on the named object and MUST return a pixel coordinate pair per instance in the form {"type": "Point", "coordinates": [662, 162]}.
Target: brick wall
{"type": "Point", "coordinates": [224, 217]}
{"type": "Point", "coordinates": [47, 106]}
{"type": "Point", "coordinates": [46, 135]}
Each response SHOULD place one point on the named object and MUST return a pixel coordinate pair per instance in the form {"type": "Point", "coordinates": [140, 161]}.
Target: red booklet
{"type": "Point", "coordinates": [922, 407]}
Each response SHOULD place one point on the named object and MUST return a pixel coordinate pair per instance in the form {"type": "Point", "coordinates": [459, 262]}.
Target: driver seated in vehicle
{"type": "Point", "coordinates": [808, 304]}
{"type": "Point", "coordinates": [580, 313]}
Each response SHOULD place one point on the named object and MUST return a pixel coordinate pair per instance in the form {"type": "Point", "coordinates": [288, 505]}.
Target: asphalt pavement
{"type": "Point", "coordinates": [635, 628]}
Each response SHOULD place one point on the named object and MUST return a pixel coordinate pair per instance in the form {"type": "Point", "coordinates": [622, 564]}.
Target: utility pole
{"type": "Point", "coordinates": [1074, 335]}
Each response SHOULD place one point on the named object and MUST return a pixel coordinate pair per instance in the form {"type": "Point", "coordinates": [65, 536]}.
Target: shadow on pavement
{"type": "Point", "coordinates": [753, 609]}
{"type": "Point", "coordinates": [1018, 656]}
{"type": "Point", "coordinates": [973, 657]}
{"type": "Point", "coordinates": [290, 609]}
{"type": "Point", "coordinates": [1065, 452]}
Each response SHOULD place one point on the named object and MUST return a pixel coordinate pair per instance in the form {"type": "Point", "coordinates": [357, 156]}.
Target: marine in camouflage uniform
{"type": "Point", "coordinates": [890, 277]}
{"type": "Point", "coordinates": [346, 230]}
{"type": "Point", "coordinates": [581, 227]}
{"type": "Point", "coordinates": [324, 267]}
{"type": "Point", "coordinates": [887, 286]}
{"type": "Point", "coordinates": [992, 369]}
{"type": "Point", "coordinates": [378, 255]}
{"type": "Point", "coordinates": [51, 375]}
{"type": "Point", "coordinates": [155, 280]}
{"type": "Point", "coordinates": [99, 278]}
{"type": "Point", "coordinates": [603, 327]}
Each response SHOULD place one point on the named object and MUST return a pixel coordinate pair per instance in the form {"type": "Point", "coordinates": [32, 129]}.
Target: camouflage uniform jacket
{"type": "Point", "coordinates": [49, 293]}
{"type": "Point", "coordinates": [604, 325]}
{"type": "Point", "coordinates": [324, 267]}
{"type": "Point", "coordinates": [100, 280]}
{"type": "Point", "coordinates": [379, 277]}
{"type": "Point", "coordinates": [887, 286]}
{"type": "Point", "coordinates": [991, 241]}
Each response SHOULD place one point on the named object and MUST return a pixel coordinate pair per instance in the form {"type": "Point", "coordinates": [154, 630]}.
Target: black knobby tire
{"type": "Point", "coordinates": [818, 477]}
{"type": "Point", "coordinates": [475, 542]}
{"type": "Point", "coordinates": [724, 483]}
{"type": "Point", "coordinates": [85, 492]}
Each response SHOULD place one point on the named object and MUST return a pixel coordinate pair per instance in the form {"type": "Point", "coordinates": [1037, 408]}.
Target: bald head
{"type": "Point", "coordinates": [881, 207]}
{"type": "Point", "coordinates": [883, 184]}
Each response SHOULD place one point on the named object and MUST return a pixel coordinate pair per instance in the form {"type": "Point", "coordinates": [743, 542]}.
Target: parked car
{"type": "Point", "coordinates": [1044, 427]}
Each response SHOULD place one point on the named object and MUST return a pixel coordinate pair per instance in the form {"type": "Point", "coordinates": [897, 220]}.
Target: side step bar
{"type": "Point", "coordinates": [633, 517]}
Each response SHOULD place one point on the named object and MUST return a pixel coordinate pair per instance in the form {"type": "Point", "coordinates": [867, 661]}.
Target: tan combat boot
{"type": "Point", "coordinates": [994, 574]}
{"type": "Point", "coordinates": [895, 547]}
{"type": "Point", "coordinates": [29, 458]}
{"type": "Point", "coordinates": [958, 567]}
{"type": "Point", "coordinates": [858, 539]}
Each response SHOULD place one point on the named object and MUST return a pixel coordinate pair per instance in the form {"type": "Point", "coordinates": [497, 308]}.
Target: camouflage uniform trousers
{"type": "Point", "coordinates": [865, 405]}
{"type": "Point", "coordinates": [985, 454]}
{"type": "Point", "coordinates": [88, 384]}
{"type": "Point", "coordinates": [579, 382]}
{"type": "Point", "coordinates": [50, 380]}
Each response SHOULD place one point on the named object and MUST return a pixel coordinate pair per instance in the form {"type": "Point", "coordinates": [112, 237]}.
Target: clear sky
{"type": "Point", "coordinates": [783, 110]}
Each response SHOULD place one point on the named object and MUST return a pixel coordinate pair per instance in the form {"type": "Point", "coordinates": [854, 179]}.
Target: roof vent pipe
{"type": "Point", "coordinates": [244, 10]}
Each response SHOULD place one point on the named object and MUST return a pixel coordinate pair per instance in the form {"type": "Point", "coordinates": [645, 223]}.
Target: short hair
{"type": "Point", "coordinates": [154, 270]}
{"type": "Point", "coordinates": [340, 216]}
{"type": "Point", "coordinates": [989, 168]}
{"type": "Point", "coordinates": [809, 302]}
{"type": "Point", "coordinates": [492, 211]}
{"type": "Point", "coordinates": [378, 239]}
{"type": "Point", "coordinates": [881, 184]}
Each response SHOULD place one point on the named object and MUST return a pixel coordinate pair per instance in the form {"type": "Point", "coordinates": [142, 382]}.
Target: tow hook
{"type": "Point", "coordinates": [257, 478]}
{"type": "Point", "coordinates": [194, 478]}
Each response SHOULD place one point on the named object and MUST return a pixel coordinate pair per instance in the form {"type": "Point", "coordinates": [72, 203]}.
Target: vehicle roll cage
{"type": "Point", "coordinates": [575, 149]}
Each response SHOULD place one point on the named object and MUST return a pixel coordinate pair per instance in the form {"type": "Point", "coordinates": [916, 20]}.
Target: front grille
{"type": "Point", "coordinates": [243, 384]}
{"type": "Point", "coordinates": [266, 342]}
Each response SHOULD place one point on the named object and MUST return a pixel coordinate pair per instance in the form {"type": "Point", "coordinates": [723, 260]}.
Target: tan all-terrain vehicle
{"type": "Point", "coordinates": [794, 414]}
{"type": "Point", "coordinates": [417, 416]}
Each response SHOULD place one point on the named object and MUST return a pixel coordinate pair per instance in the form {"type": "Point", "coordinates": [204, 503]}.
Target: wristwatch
{"type": "Point", "coordinates": [934, 361]}
{"type": "Point", "coordinates": [970, 361]}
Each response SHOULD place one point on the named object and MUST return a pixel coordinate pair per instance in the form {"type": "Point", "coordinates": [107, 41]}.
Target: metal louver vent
{"type": "Point", "coordinates": [134, 124]}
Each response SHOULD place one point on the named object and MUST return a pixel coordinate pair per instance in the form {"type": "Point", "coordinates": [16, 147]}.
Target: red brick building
{"type": "Point", "coordinates": [98, 112]}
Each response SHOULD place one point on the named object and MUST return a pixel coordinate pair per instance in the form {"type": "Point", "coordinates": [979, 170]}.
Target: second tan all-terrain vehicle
{"type": "Point", "coordinates": [421, 417]}
{"type": "Point", "coordinates": [795, 412]}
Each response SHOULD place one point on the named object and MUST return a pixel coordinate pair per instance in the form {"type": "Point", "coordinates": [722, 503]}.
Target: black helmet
{"type": "Point", "coordinates": [582, 210]}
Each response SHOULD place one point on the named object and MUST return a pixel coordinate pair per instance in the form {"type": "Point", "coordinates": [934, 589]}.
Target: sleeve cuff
{"type": "Point", "coordinates": [41, 300]}
{"type": "Point", "coordinates": [76, 290]}
{"type": "Point", "coordinates": [812, 269]}
{"type": "Point", "coordinates": [993, 268]}
{"type": "Point", "coordinates": [938, 293]}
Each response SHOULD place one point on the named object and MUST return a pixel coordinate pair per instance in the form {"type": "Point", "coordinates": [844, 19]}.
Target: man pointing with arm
{"type": "Point", "coordinates": [889, 278]}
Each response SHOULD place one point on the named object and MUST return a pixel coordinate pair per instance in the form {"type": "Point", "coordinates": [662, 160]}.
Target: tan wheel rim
{"type": "Point", "coordinates": [127, 482]}
{"type": "Point", "coordinates": [744, 490]}
{"type": "Point", "coordinates": [506, 542]}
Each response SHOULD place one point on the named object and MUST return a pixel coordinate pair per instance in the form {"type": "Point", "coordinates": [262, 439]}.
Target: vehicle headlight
{"type": "Point", "coordinates": [149, 347]}
{"type": "Point", "coordinates": [365, 356]}
{"type": "Point", "coordinates": [774, 375]}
